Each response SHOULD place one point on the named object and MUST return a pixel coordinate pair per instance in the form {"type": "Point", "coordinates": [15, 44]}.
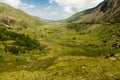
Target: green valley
{"type": "Point", "coordinates": [31, 49]}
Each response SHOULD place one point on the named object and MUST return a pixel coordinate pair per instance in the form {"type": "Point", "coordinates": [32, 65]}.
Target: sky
{"type": "Point", "coordinates": [52, 9]}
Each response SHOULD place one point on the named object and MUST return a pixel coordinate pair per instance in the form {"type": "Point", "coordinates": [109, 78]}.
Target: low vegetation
{"type": "Point", "coordinates": [18, 43]}
{"type": "Point", "coordinates": [69, 54]}
{"type": "Point", "coordinates": [33, 50]}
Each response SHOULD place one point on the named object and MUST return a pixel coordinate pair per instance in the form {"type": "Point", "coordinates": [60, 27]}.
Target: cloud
{"type": "Point", "coordinates": [70, 6]}
{"type": "Point", "coordinates": [26, 6]}
{"type": "Point", "coordinates": [68, 9]}
{"type": "Point", "coordinates": [17, 4]}
{"type": "Point", "coordinates": [54, 13]}
{"type": "Point", "coordinates": [46, 8]}
{"type": "Point", "coordinates": [14, 3]}
{"type": "Point", "coordinates": [30, 6]}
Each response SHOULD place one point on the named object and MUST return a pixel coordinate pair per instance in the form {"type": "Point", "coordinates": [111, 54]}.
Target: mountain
{"type": "Point", "coordinates": [107, 11]}
{"type": "Point", "coordinates": [78, 15]}
{"type": "Point", "coordinates": [18, 31]}
{"type": "Point", "coordinates": [9, 15]}
{"type": "Point", "coordinates": [103, 21]}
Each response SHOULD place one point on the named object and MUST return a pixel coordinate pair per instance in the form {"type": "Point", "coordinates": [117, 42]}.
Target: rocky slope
{"type": "Point", "coordinates": [107, 11]}
{"type": "Point", "coordinates": [78, 15]}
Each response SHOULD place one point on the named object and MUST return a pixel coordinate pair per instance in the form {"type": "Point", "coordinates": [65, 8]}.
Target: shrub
{"type": "Point", "coordinates": [15, 49]}
{"type": "Point", "coordinates": [22, 42]}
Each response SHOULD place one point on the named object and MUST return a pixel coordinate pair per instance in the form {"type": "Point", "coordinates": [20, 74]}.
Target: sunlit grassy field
{"type": "Point", "coordinates": [68, 55]}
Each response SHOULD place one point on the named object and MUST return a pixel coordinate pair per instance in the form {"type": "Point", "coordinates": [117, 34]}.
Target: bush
{"type": "Point", "coordinates": [15, 49]}
{"type": "Point", "coordinates": [78, 26]}
{"type": "Point", "coordinates": [22, 42]}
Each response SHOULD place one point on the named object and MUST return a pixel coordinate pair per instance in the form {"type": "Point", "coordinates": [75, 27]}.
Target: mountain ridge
{"type": "Point", "coordinates": [6, 11]}
{"type": "Point", "coordinates": [107, 11]}
{"type": "Point", "coordinates": [78, 15]}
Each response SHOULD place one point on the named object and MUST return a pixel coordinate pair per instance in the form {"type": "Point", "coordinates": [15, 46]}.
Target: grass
{"type": "Point", "coordinates": [67, 67]}
{"type": "Point", "coordinates": [69, 56]}
{"type": "Point", "coordinates": [74, 52]}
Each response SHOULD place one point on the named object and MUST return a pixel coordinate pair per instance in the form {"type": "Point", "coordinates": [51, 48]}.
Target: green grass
{"type": "Point", "coordinates": [69, 55]}
{"type": "Point", "coordinates": [72, 52]}
{"type": "Point", "coordinates": [67, 67]}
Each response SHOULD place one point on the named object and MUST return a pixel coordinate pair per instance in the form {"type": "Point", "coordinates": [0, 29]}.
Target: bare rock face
{"type": "Point", "coordinates": [111, 11]}
{"type": "Point", "coordinates": [107, 11]}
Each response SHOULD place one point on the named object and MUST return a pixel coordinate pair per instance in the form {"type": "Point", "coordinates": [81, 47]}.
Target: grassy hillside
{"type": "Point", "coordinates": [108, 33]}
{"type": "Point", "coordinates": [78, 16]}
{"type": "Point", "coordinates": [17, 30]}
{"type": "Point", "coordinates": [7, 11]}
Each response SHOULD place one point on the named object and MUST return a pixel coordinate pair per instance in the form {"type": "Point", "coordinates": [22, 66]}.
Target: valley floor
{"type": "Point", "coordinates": [68, 56]}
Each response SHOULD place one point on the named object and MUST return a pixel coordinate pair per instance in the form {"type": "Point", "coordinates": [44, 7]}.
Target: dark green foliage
{"type": "Point", "coordinates": [15, 50]}
{"type": "Point", "coordinates": [73, 26]}
{"type": "Point", "coordinates": [104, 41]}
{"type": "Point", "coordinates": [79, 26]}
{"type": "Point", "coordinates": [21, 44]}
{"type": "Point", "coordinates": [7, 35]}
{"type": "Point", "coordinates": [1, 57]}
{"type": "Point", "coordinates": [27, 42]}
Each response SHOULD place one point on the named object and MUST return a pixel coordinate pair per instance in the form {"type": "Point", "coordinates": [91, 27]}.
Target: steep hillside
{"type": "Point", "coordinates": [103, 22]}
{"type": "Point", "coordinates": [78, 15]}
{"type": "Point", "coordinates": [9, 15]}
{"type": "Point", "coordinates": [17, 31]}
{"type": "Point", "coordinates": [107, 11]}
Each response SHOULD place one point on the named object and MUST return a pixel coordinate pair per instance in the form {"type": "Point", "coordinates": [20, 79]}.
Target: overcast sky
{"type": "Point", "coordinates": [52, 9]}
